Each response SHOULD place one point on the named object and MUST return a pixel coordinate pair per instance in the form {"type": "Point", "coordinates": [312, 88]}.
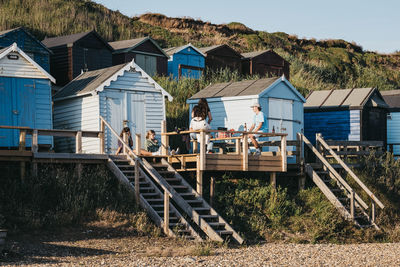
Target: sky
{"type": "Point", "coordinates": [375, 25]}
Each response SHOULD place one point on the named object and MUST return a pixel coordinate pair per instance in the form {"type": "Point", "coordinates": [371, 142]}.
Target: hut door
{"type": "Point", "coordinates": [136, 115]}
{"type": "Point", "coordinates": [147, 63]}
{"type": "Point", "coordinates": [6, 116]}
{"type": "Point", "coordinates": [25, 105]}
{"type": "Point", "coordinates": [114, 102]}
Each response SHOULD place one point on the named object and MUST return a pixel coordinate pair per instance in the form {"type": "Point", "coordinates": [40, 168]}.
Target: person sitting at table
{"type": "Point", "coordinates": [259, 125]}
{"type": "Point", "coordinates": [199, 123]}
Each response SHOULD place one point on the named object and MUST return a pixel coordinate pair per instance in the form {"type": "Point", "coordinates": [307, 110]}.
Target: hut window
{"type": "Point", "coordinates": [389, 116]}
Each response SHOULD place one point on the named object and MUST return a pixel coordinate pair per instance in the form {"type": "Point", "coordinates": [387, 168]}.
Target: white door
{"type": "Point", "coordinates": [115, 116]}
{"type": "Point", "coordinates": [136, 115]}
{"type": "Point", "coordinates": [280, 118]}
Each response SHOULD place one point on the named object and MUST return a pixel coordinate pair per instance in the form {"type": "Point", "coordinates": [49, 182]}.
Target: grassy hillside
{"type": "Point", "coordinates": [315, 65]}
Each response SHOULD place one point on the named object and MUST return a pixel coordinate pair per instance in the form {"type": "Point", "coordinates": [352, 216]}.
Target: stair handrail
{"type": "Point", "coordinates": [335, 173]}
{"type": "Point", "coordinates": [321, 140]}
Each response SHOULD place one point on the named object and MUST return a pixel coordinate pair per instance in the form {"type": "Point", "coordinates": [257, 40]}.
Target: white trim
{"type": "Point", "coordinates": [291, 87]}
{"type": "Point", "coordinates": [14, 48]}
{"type": "Point", "coordinates": [189, 45]}
{"type": "Point", "coordinates": [225, 98]}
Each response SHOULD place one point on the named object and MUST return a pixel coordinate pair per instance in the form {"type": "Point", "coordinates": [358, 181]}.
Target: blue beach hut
{"type": "Point", "coordinates": [25, 96]}
{"type": "Point", "coordinates": [392, 98]}
{"type": "Point", "coordinates": [185, 61]}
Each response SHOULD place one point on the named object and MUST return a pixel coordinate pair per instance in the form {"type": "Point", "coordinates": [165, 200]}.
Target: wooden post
{"type": "Point", "coordinates": [35, 147]}
{"type": "Point", "coordinates": [164, 139]}
{"type": "Point", "coordinates": [22, 140]}
{"type": "Point", "coordinates": [245, 159]}
{"type": "Point", "coordinates": [352, 204]}
{"type": "Point", "coordinates": [301, 152]}
{"type": "Point", "coordinates": [138, 144]}
{"type": "Point", "coordinates": [302, 182]}
{"type": "Point", "coordinates": [137, 183]}
{"type": "Point", "coordinates": [373, 211]}
{"type": "Point", "coordinates": [199, 177]}
{"type": "Point", "coordinates": [78, 142]}
{"type": "Point", "coordinates": [202, 150]}
{"type": "Point", "coordinates": [102, 136]}
{"type": "Point", "coordinates": [195, 147]}
{"type": "Point", "coordinates": [125, 138]}
{"type": "Point", "coordinates": [166, 212]}
{"type": "Point", "coordinates": [238, 146]}
{"type": "Point", "coordinates": [212, 188]}
{"type": "Point", "coordinates": [78, 170]}
{"type": "Point", "coordinates": [272, 179]}
{"type": "Point", "coordinates": [283, 153]}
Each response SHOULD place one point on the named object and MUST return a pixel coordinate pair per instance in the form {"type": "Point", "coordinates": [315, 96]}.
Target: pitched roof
{"type": "Point", "coordinates": [254, 53]}
{"type": "Point", "coordinates": [173, 50]}
{"type": "Point", "coordinates": [128, 45]}
{"type": "Point", "coordinates": [392, 98]}
{"type": "Point", "coordinates": [242, 88]}
{"type": "Point", "coordinates": [94, 81]}
{"type": "Point", "coordinates": [28, 33]}
{"type": "Point", "coordinates": [72, 38]}
{"type": "Point", "coordinates": [14, 48]}
{"type": "Point", "coordinates": [209, 49]}
{"type": "Point", "coordinates": [334, 98]}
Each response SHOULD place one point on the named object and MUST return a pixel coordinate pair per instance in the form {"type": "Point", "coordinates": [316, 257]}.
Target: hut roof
{"type": "Point", "coordinates": [72, 38]}
{"type": "Point", "coordinates": [94, 81]}
{"type": "Point", "coordinates": [209, 49]}
{"type": "Point", "coordinates": [242, 88]}
{"type": "Point", "coordinates": [344, 98]}
{"type": "Point", "coordinates": [5, 32]}
{"type": "Point", "coordinates": [128, 45]}
{"type": "Point", "coordinates": [254, 53]}
{"type": "Point", "coordinates": [173, 50]}
{"type": "Point", "coordinates": [14, 48]}
{"type": "Point", "coordinates": [392, 98]}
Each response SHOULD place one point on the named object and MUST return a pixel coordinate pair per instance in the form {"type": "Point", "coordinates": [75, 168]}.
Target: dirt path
{"type": "Point", "coordinates": [96, 247]}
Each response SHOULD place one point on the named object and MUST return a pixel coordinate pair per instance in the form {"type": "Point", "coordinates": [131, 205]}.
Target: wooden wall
{"type": "Point", "coordinates": [223, 57]}
{"type": "Point", "coordinates": [187, 57]}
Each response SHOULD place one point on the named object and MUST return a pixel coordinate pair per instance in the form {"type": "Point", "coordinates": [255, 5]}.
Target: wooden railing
{"type": "Point", "coordinates": [353, 149]}
{"type": "Point", "coordinates": [391, 148]}
{"type": "Point", "coordinates": [374, 199]}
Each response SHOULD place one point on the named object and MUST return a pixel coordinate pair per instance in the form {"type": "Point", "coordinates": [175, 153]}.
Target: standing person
{"type": "Point", "coordinates": [205, 109]}
{"type": "Point", "coordinates": [259, 125]}
{"type": "Point", "coordinates": [130, 141]}
{"type": "Point", "coordinates": [199, 123]}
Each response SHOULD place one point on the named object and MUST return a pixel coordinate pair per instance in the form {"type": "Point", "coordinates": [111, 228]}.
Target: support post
{"type": "Point", "coordinates": [78, 170]}
{"type": "Point", "coordinates": [137, 182]}
{"type": "Point", "coordinates": [35, 146]}
{"type": "Point", "coordinates": [138, 144]}
{"type": "Point", "coordinates": [22, 140]}
{"type": "Point", "coordinates": [238, 146]}
{"type": "Point", "coordinates": [245, 159]}
{"type": "Point", "coordinates": [199, 177]}
{"type": "Point", "coordinates": [102, 136]}
{"type": "Point", "coordinates": [166, 212]}
{"type": "Point", "coordinates": [195, 146]}
{"type": "Point", "coordinates": [283, 153]}
{"type": "Point", "coordinates": [212, 188]}
{"type": "Point", "coordinates": [302, 182]}
{"type": "Point", "coordinates": [78, 142]}
{"type": "Point", "coordinates": [164, 138]}
{"type": "Point", "coordinates": [202, 150]}
{"type": "Point", "coordinates": [373, 215]}
{"type": "Point", "coordinates": [272, 179]}
{"type": "Point", "coordinates": [352, 204]}
{"type": "Point", "coordinates": [125, 138]}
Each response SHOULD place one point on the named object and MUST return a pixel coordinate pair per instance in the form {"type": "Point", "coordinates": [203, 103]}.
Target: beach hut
{"type": "Point", "coordinates": [221, 57]}
{"type": "Point", "coordinates": [357, 114]}
{"type": "Point", "coordinates": [146, 53]}
{"type": "Point", "coordinates": [29, 44]}
{"type": "Point", "coordinates": [185, 61]}
{"type": "Point", "coordinates": [75, 53]}
{"type": "Point", "coordinates": [230, 104]}
{"type": "Point", "coordinates": [124, 95]}
{"type": "Point", "coordinates": [392, 98]}
{"type": "Point", "coordinates": [263, 63]}
{"type": "Point", "coordinates": [25, 96]}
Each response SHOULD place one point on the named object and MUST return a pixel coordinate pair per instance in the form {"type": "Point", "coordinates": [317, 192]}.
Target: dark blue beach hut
{"type": "Point", "coordinates": [25, 96]}
{"type": "Point", "coordinates": [185, 61]}
{"type": "Point", "coordinates": [357, 114]}
{"type": "Point", "coordinates": [29, 44]}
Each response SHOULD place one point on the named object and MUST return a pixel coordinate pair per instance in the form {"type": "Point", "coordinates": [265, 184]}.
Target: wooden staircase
{"type": "Point", "coordinates": [193, 205]}
{"type": "Point", "coordinates": [152, 199]}
{"type": "Point", "coordinates": [349, 204]}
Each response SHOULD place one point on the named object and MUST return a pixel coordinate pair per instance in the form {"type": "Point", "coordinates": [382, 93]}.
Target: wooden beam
{"type": "Point", "coordinates": [283, 153]}
{"type": "Point", "coordinates": [102, 135]}
{"type": "Point", "coordinates": [237, 143]}
{"type": "Point", "coordinates": [272, 179]}
{"type": "Point", "coordinates": [78, 142]}
{"type": "Point", "coordinates": [212, 188]}
{"type": "Point", "coordinates": [202, 151]}
{"type": "Point", "coordinates": [22, 140]}
{"type": "Point", "coordinates": [35, 146]}
{"type": "Point", "coordinates": [164, 138]}
{"type": "Point", "coordinates": [245, 161]}
{"type": "Point", "coordinates": [138, 142]}
{"type": "Point", "coordinates": [137, 182]}
{"type": "Point", "coordinates": [166, 212]}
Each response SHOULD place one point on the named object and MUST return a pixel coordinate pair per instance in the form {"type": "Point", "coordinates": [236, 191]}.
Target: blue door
{"type": "Point", "coordinates": [6, 116]}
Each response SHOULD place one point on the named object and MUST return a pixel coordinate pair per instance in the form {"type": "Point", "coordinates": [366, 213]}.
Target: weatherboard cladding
{"type": "Point", "coordinates": [392, 98]}
{"type": "Point", "coordinates": [393, 131]}
{"type": "Point", "coordinates": [186, 61]}
{"type": "Point", "coordinates": [222, 56]}
{"type": "Point", "coordinates": [29, 44]}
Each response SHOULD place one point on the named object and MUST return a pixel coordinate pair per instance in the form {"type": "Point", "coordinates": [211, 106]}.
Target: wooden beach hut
{"type": "Point", "coordinates": [25, 96]}
{"type": "Point", "coordinates": [78, 52]}
{"type": "Point", "coordinates": [392, 98]}
{"type": "Point", "coordinates": [122, 94]}
{"type": "Point", "coordinates": [185, 61]}
{"type": "Point", "coordinates": [146, 53]}
{"type": "Point", "coordinates": [221, 57]}
{"type": "Point", "coordinates": [230, 104]}
{"type": "Point", "coordinates": [263, 63]}
{"type": "Point", "coordinates": [357, 114]}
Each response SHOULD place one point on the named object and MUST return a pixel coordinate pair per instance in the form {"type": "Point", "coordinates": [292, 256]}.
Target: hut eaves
{"type": "Point", "coordinates": [129, 45]}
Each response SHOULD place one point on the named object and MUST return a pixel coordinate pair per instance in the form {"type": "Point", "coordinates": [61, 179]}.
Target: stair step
{"type": "Point", "coordinates": [155, 200]}
{"type": "Point", "coordinates": [194, 201]}
{"type": "Point", "coordinates": [224, 232]}
{"type": "Point", "coordinates": [149, 194]}
{"type": "Point", "coordinates": [187, 194]}
{"type": "Point", "coordinates": [159, 165]}
{"type": "Point", "coordinates": [172, 179]}
{"type": "Point", "coordinates": [157, 206]}
{"type": "Point", "coordinates": [336, 190]}
{"type": "Point", "coordinates": [128, 171]}
{"type": "Point", "coordinates": [201, 208]}
{"type": "Point", "coordinates": [322, 172]}
{"type": "Point", "coordinates": [216, 224]}
{"type": "Point", "coordinates": [176, 224]}
{"type": "Point", "coordinates": [209, 216]}
{"type": "Point", "coordinates": [146, 188]}
{"type": "Point", "coordinates": [178, 186]}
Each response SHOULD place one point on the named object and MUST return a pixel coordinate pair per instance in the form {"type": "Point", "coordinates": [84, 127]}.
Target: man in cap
{"type": "Point", "coordinates": [259, 125]}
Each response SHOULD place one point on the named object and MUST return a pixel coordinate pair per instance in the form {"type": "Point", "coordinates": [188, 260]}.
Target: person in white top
{"type": "Point", "coordinates": [199, 123]}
